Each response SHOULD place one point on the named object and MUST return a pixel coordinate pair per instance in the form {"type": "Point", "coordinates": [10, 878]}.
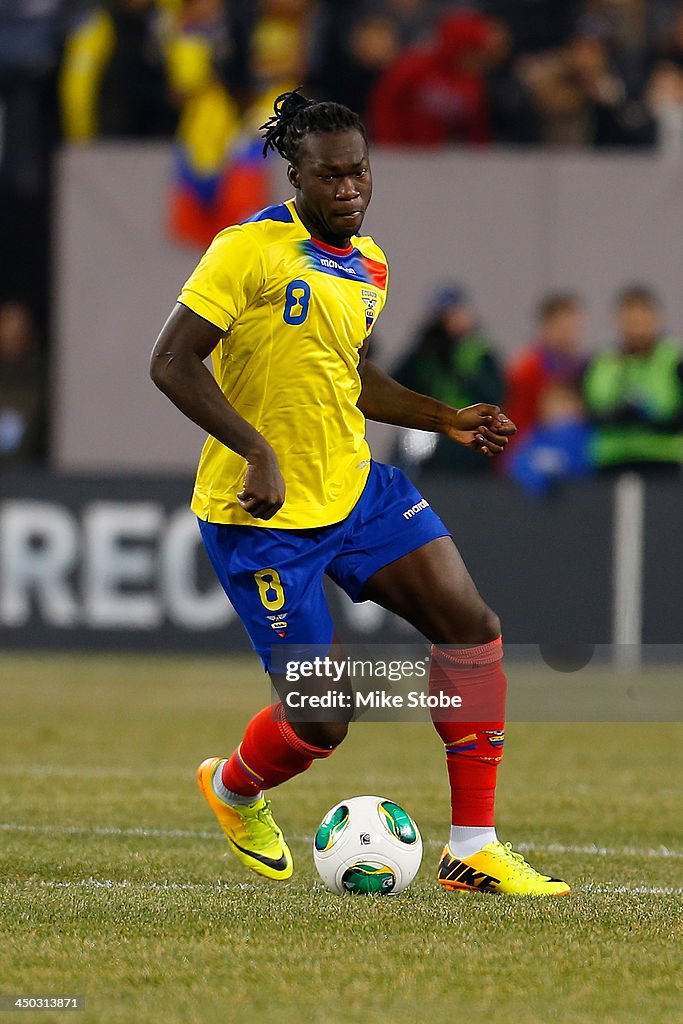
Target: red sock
{"type": "Point", "coordinates": [473, 734]}
{"type": "Point", "coordinates": [269, 754]}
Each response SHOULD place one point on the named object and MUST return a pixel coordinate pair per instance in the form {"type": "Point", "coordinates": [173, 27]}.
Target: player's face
{"type": "Point", "coordinates": [333, 182]}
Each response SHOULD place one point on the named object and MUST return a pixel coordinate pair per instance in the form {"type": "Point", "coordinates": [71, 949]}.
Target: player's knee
{"type": "Point", "coordinates": [483, 626]}
{"type": "Point", "coordinates": [480, 626]}
{"type": "Point", "coordinates": [490, 625]}
{"type": "Point", "coordinates": [326, 735]}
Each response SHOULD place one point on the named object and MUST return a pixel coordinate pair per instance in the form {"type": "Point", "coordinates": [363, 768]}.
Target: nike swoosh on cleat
{"type": "Point", "coordinates": [276, 865]}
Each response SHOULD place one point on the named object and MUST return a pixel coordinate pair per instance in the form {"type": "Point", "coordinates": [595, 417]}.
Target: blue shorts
{"type": "Point", "coordinates": [274, 578]}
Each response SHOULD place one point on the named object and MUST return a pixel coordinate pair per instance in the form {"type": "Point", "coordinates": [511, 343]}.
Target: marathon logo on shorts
{"type": "Point", "coordinates": [410, 512]}
{"type": "Point", "coordinates": [279, 623]}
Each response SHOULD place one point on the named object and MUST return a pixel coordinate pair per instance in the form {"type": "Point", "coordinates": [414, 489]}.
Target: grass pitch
{"type": "Point", "coordinates": [115, 884]}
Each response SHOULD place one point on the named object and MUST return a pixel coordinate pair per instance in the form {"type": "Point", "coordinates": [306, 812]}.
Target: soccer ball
{"type": "Point", "coordinates": [367, 845]}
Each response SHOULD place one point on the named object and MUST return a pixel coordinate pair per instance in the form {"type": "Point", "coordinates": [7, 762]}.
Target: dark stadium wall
{"type": "Point", "coordinates": [117, 563]}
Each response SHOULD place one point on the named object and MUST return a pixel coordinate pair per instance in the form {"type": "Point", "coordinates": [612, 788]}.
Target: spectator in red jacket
{"type": "Point", "coordinates": [436, 95]}
{"type": "Point", "coordinates": [553, 357]}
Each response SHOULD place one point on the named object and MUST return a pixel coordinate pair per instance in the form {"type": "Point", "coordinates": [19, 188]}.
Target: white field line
{"type": "Point", "coordinates": [591, 850]}
{"type": "Point", "coordinates": [638, 890]}
{"type": "Point", "coordinates": [144, 833]}
{"type": "Point", "coordinates": [165, 886]}
{"type": "Point", "coordinates": [90, 772]}
{"type": "Point", "coordinates": [124, 883]}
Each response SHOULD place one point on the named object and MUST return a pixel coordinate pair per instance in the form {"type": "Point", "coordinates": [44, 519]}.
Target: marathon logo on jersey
{"type": "Point", "coordinates": [327, 261]}
{"type": "Point", "coordinates": [410, 512]}
{"type": "Point", "coordinates": [370, 300]}
{"type": "Point", "coordinates": [350, 265]}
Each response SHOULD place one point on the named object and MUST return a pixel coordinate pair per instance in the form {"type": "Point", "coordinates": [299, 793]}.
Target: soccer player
{"type": "Point", "coordinates": [286, 490]}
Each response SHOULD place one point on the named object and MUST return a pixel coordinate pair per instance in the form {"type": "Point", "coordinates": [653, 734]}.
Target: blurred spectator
{"type": "Point", "coordinates": [671, 44]}
{"type": "Point", "coordinates": [659, 16]}
{"type": "Point", "coordinates": [30, 35]}
{"type": "Point", "coordinates": [437, 95]}
{"type": "Point", "coordinates": [553, 357]}
{"type": "Point", "coordinates": [665, 89]}
{"type": "Point", "coordinates": [279, 43]}
{"type": "Point", "coordinates": [635, 393]}
{"type": "Point", "coordinates": [583, 95]}
{"type": "Point", "coordinates": [453, 361]}
{"type": "Point", "coordinates": [413, 19]}
{"type": "Point", "coordinates": [348, 64]}
{"type": "Point", "coordinates": [21, 386]}
{"type": "Point", "coordinates": [279, 57]}
{"type": "Point", "coordinates": [536, 25]}
{"type": "Point", "coordinates": [220, 177]}
{"type": "Point", "coordinates": [29, 43]}
{"type": "Point", "coordinates": [625, 19]}
{"type": "Point", "coordinates": [196, 49]}
{"type": "Point", "coordinates": [665, 99]}
{"type": "Point", "coordinates": [349, 56]}
{"type": "Point", "coordinates": [558, 447]}
{"type": "Point", "coordinates": [196, 40]}
{"type": "Point", "coordinates": [617, 114]}
{"type": "Point", "coordinates": [559, 99]}
{"type": "Point", "coordinates": [206, 40]}
{"type": "Point", "coordinates": [113, 79]}
{"type": "Point", "coordinates": [513, 114]}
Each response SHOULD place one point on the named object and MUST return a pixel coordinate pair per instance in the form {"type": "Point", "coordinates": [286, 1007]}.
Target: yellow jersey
{"type": "Point", "coordinates": [295, 313]}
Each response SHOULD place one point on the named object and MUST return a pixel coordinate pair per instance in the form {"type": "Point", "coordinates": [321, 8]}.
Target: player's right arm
{"type": "Point", "coordinates": [177, 368]}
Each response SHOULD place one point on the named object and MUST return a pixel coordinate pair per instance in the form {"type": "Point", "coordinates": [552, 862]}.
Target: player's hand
{"type": "Point", "coordinates": [481, 427]}
{"type": "Point", "coordinates": [263, 493]}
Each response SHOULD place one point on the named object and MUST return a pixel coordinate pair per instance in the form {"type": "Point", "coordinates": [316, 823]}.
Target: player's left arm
{"type": "Point", "coordinates": [482, 427]}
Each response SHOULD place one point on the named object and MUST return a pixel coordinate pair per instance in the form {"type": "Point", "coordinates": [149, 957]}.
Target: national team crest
{"type": "Point", "coordinates": [370, 298]}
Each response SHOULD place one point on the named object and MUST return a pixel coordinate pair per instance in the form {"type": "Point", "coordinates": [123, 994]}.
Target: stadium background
{"type": "Point", "coordinates": [99, 556]}
{"type": "Point", "coordinates": [129, 137]}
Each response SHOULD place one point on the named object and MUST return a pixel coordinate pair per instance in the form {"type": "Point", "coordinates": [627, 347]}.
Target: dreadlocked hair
{"type": "Point", "coordinates": [295, 116]}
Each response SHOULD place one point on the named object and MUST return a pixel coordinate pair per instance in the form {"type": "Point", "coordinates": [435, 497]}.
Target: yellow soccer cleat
{"type": "Point", "coordinates": [496, 868]}
{"type": "Point", "coordinates": [250, 829]}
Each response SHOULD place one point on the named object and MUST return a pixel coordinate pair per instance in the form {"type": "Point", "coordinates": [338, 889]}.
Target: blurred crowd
{"type": "Point", "coordinates": [593, 73]}
{"type": "Point", "coordinates": [422, 73]}
{"type": "Point", "coordinates": [620, 409]}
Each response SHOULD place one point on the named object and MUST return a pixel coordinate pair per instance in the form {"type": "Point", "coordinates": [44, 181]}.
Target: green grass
{"type": "Point", "coordinates": [114, 883]}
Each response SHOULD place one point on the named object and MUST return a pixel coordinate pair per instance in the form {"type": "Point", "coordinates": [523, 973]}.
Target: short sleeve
{"type": "Point", "coordinates": [227, 279]}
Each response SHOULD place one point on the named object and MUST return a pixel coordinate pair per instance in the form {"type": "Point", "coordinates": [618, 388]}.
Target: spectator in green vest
{"type": "Point", "coordinates": [452, 360]}
{"type": "Point", "coordinates": [634, 393]}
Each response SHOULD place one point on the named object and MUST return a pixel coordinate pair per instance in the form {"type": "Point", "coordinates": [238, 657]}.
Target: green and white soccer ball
{"type": "Point", "coordinates": [367, 844]}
